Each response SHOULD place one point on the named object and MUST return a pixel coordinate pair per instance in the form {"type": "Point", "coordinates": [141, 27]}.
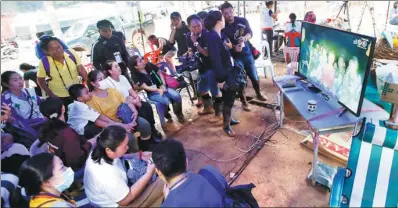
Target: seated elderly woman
{"type": "Point", "coordinates": [24, 103]}
{"type": "Point", "coordinates": [107, 102]}
{"type": "Point", "coordinates": [106, 179]}
{"type": "Point", "coordinates": [44, 178]}
{"type": "Point", "coordinates": [152, 81]}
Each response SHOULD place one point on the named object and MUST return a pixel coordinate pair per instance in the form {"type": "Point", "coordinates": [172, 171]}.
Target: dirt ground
{"type": "Point", "coordinates": [280, 168]}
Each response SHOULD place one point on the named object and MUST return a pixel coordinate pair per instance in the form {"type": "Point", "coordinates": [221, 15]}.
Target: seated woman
{"type": "Point", "coordinates": [44, 178]}
{"type": "Point", "coordinates": [105, 177]}
{"type": "Point", "coordinates": [152, 81]}
{"type": "Point", "coordinates": [117, 81]}
{"type": "Point", "coordinates": [62, 140]}
{"type": "Point", "coordinates": [24, 104]}
{"type": "Point", "coordinates": [107, 103]}
{"type": "Point", "coordinates": [292, 32]}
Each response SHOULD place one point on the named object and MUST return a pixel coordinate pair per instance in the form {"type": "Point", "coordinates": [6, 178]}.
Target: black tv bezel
{"type": "Point", "coordinates": [367, 70]}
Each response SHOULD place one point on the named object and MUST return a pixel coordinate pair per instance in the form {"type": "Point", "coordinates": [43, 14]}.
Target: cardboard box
{"type": "Point", "coordinates": [389, 92]}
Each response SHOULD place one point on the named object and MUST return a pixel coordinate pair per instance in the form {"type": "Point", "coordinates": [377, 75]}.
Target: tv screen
{"type": "Point", "coordinates": [337, 62]}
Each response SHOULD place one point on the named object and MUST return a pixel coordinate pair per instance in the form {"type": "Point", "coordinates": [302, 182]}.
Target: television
{"type": "Point", "coordinates": [337, 62]}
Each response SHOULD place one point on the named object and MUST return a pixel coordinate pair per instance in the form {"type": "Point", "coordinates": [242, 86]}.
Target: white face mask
{"type": "Point", "coordinates": [67, 179]}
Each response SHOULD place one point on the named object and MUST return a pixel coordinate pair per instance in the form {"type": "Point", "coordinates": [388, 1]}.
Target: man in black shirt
{"type": "Point", "coordinates": [238, 30]}
{"type": "Point", "coordinates": [30, 73]}
{"type": "Point", "coordinates": [178, 32]}
{"type": "Point", "coordinates": [109, 47]}
{"type": "Point", "coordinates": [196, 41]}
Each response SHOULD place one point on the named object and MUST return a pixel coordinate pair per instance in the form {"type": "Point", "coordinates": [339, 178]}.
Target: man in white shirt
{"type": "Point", "coordinates": [267, 22]}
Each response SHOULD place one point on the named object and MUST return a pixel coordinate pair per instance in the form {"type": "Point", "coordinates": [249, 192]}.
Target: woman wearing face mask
{"type": "Point", "coordinates": [105, 177]}
{"type": "Point", "coordinates": [24, 104]}
{"type": "Point", "coordinates": [117, 81]}
{"type": "Point", "coordinates": [44, 178]}
{"type": "Point", "coordinates": [107, 103]}
{"type": "Point", "coordinates": [62, 140]}
{"type": "Point", "coordinates": [223, 65]}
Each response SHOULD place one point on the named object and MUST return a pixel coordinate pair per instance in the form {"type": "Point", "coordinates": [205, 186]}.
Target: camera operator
{"type": "Point", "coordinates": [196, 40]}
{"type": "Point", "coordinates": [238, 30]}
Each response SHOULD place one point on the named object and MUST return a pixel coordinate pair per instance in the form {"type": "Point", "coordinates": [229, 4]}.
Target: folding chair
{"type": "Point", "coordinates": [291, 58]}
{"type": "Point", "coordinates": [370, 178]}
{"type": "Point", "coordinates": [266, 62]}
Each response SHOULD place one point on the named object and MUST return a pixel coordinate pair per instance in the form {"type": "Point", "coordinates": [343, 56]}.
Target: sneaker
{"type": "Point", "coordinates": [181, 119]}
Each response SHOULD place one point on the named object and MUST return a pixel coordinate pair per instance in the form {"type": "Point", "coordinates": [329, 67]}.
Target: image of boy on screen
{"type": "Point", "coordinates": [339, 74]}
{"type": "Point", "coordinates": [328, 71]}
{"type": "Point", "coordinates": [352, 85]}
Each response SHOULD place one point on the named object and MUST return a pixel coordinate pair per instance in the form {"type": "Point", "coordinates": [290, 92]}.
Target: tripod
{"type": "Point", "coordinates": [346, 13]}
{"type": "Point", "coordinates": [371, 11]}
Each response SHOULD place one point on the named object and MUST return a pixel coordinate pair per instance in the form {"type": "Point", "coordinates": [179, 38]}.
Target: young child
{"type": "Point", "coordinates": [84, 119]}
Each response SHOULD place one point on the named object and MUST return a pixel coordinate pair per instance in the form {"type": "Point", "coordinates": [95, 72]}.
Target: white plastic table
{"type": "Point", "coordinates": [324, 120]}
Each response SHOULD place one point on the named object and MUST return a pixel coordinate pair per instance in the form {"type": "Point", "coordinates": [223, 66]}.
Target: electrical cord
{"type": "Point", "coordinates": [257, 140]}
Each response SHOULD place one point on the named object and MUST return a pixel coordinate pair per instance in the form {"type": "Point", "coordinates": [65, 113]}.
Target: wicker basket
{"type": "Point", "coordinates": [384, 51]}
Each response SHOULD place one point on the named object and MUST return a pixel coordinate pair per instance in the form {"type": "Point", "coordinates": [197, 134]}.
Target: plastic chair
{"type": "Point", "coordinates": [35, 149]}
{"type": "Point", "coordinates": [152, 56]}
{"type": "Point", "coordinates": [291, 60]}
{"type": "Point", "coordinates": [266, 63]}
{"type": "Point", "coordinates": [370, 178]}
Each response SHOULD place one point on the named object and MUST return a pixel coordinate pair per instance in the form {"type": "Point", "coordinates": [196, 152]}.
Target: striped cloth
{"type": "Point", "coordinates": [9, 183]}
{"type": "Point", "coordinates": [373, 164]}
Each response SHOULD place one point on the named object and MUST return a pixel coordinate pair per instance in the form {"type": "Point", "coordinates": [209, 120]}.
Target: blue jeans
{"type": "Point", "coordinates": [207, 82]}
{"type": "Point", "coordinates": [162, 101]}
{"type": "Point", "coordinates": [247, 62]}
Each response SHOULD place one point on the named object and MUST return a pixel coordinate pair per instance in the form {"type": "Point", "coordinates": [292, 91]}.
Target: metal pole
{"type": "Point", "coordinates": [140, 21]}
{"type": "Point", "coordinates": [388, 10]}
{"type": "Point", "coordinates": [238, 8]}
{"type": "Point", "coordinates": [244, 9]}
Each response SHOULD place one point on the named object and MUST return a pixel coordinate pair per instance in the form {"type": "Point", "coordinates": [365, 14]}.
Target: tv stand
{"type": "Point", "coordinates": [342, 112]}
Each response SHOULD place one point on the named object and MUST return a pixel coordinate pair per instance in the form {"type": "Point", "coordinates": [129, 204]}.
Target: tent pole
{"type": "Point", "coordinates": [388, 10]}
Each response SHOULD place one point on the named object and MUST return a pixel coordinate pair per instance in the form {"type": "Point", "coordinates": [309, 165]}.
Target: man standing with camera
{"type": "Point", "coordinates": [109, 47]}
{"type": "Point", "coordinates": [238, 30]}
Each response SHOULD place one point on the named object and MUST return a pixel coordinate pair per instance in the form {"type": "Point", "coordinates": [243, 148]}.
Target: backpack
{"type": "Point", "coordinates": [237, 196]}
{"type": "Point", "coordinates": [46, 64]}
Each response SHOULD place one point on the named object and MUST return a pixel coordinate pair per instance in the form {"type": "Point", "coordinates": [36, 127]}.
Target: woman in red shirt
{"type": "Point", "coordinates": [62, 140]}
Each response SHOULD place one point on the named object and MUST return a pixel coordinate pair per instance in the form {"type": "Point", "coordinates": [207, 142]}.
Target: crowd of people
{"type": "Point", "coordinates": [94, 131]}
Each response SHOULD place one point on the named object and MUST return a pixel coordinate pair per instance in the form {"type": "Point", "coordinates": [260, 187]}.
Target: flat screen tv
{"type": "Point", "coordinates": [337, 62]}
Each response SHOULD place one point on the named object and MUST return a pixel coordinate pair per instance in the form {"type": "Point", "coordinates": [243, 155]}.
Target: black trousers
{"type": "Point", "coordinates": [270, 36]}
{"type": "Point", "coordinates": [91, 130]}
{"type": "Point", "coordinates": [146, 112]}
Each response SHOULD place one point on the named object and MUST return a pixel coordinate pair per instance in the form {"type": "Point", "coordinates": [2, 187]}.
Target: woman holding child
{"type": "Point", "coordinates": [117, 81]}
{"type": "Point", "coordinates": [107, 102]}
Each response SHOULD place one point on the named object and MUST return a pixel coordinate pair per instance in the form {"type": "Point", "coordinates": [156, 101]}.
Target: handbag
{"type": "Point", "coordinates": [256, 53]}
{"type": "Point", "coordinates": [171, 82]}
{"type": "Point", "coordinates": [124, 113]}
{"type": "Point", "coordinates": [236, 78]}
{"type": "Point", "coordinates": [135, 169]}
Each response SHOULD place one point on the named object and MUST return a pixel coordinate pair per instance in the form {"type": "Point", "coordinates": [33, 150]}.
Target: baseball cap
{"type": "Point", "coordinates": [175, 14]}
{"type": "Point", "coordinates": [104, 24]}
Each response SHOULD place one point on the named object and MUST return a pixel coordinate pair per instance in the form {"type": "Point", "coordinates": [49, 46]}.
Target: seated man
{"type": "Point", "coordinates": [394, 14]}
{"type": "Point", "coordinates": [182, 188]}
{"type": "Point", "coordinates": [168, 50]}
